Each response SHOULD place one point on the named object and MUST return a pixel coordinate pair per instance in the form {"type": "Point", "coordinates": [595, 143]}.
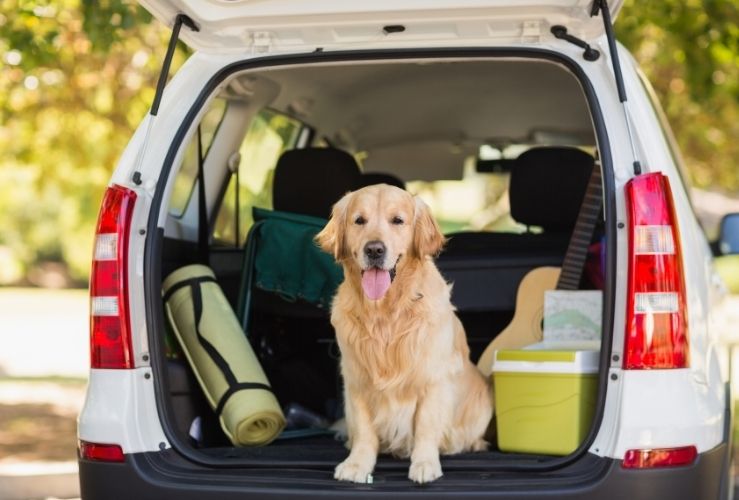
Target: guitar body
{"type": "Point", "coordinates": [526, 326]}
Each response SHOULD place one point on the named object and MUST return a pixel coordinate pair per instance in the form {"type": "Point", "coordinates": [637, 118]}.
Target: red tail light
{"type": "Point", "coordinates": [656, 320]}
{"type": "Point", "coordinates": [110, 337]}
{"type": "Point", "coordinates": [665, 457]}
{"type": "Point", "coordinates": [101, 452]}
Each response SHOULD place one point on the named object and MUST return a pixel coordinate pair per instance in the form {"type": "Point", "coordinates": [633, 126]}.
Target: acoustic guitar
{"type": "Point", "coordinates": [525, 327]}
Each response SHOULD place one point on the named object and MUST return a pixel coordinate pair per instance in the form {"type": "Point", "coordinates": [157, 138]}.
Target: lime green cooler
{"type": "Point", "coordinates": [544, 399]}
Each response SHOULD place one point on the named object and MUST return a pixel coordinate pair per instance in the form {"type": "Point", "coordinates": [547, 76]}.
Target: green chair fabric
{"type": "Point", "coordinates": [282, 257]}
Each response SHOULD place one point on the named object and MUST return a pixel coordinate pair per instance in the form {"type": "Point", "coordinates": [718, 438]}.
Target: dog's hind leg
{"type": "Point", "coordinates": [475, 411]}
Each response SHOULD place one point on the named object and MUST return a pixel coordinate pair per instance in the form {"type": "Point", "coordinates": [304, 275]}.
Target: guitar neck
{"type": "Point", "coordinates": [582, 234]}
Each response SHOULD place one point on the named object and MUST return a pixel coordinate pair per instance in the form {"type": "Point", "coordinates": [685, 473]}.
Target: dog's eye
{"type": "Point", "coordinates": [360, 221]}
{"type": "Point", "coordinates": [397, 220]}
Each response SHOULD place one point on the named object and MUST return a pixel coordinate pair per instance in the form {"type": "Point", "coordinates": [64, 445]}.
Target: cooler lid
{"type": "Point", "coordinates": [546, 361]}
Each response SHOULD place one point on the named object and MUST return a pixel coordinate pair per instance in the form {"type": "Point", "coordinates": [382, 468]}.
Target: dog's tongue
{"type": "Point", "coordinates": [375, 283]}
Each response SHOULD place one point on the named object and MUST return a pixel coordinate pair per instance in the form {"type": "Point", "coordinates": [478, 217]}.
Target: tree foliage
{"type": "Point", "coordinates": [76, 79]}
{"type": "Point", "coordinates": [689, 50]}
{"type": "Point", "coordinates": [77, 76]}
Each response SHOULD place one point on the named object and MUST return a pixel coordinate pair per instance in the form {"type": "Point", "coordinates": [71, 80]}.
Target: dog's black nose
{"type": "Point", "coordinates": [375, 251]}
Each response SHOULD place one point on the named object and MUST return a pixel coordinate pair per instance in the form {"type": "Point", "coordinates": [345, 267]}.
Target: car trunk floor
{"type": "Point", "coordinates": [326, 451]}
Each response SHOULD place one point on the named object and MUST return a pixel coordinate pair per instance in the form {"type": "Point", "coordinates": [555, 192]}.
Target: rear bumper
{"type": "Point", "coordinates": [156, 476]}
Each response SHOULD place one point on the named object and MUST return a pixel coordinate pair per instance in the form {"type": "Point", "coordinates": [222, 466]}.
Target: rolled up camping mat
{"type": "Point", "coordinates": [219, 353]}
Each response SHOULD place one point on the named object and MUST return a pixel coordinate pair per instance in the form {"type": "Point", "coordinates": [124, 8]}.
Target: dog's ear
{"type": "Point", "coordinates": [427, 237]}
{"type": "Point", "coordinates": [331, 238]}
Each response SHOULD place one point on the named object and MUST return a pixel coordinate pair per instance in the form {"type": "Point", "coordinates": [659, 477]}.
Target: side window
{"type": "Point", "coordinates": [269, 135]}
{"type": "Point", "coordinates": [185, 180]}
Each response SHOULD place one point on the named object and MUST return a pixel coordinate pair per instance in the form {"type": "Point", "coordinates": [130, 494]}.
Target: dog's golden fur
{"type": "Point", "coordinates": [410, 388]}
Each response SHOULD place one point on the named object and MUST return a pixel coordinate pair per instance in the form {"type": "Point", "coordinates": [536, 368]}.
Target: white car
{"type": "Point", "coordinates": [497, 113]}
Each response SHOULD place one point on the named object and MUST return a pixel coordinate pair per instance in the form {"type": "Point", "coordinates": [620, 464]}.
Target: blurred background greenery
{"type": "Point", "coordinates": [78, 76]}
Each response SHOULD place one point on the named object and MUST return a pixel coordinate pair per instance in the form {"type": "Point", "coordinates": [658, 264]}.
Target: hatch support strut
{"type": "Point", "coordinates": [602, 7]}
{"type": "Point", "coordinates": [164, 74]}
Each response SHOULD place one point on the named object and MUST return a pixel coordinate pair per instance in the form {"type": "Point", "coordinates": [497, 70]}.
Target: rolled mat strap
{"type": "Point", "coordinates": [236, 387]}
{"type": "Point", "coordinates": [221, 358]}
{"type": "Point", "coordinates": [188, 282]}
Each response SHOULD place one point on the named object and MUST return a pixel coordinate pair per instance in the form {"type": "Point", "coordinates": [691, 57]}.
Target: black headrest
{"type": "Point", "coordinates": [309, 181]}
{"type": "Point", "coordinates": [548, 185]}
{"type": "Point", "coordinates": [370, 178]}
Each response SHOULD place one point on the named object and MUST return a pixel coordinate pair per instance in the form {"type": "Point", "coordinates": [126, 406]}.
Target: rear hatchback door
{"type": "Point", "coordinates": [300, 25]}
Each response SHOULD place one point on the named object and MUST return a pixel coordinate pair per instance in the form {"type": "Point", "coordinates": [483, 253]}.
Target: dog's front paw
{"type": "Point", "coordinates": [353, 471]}
{"type": "Point", "coordinates": [425, 471]}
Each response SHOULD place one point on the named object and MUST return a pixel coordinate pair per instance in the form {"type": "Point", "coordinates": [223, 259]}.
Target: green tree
{"type": "Point", "coordinates": [75, 80]}
{"type": "Point", "coordinates": [77, 76]}
{"type": "Point", "coordinates": [689, 50]}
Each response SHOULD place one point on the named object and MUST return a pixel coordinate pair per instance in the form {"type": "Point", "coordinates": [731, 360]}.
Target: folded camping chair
{"type": "Point", "coordinates": [282, 258]}
{"type": "Point", "coordinates": [282, 264]}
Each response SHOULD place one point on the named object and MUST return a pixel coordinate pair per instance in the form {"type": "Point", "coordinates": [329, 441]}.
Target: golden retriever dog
{"type": "Point", "coordinates": [409, 386]}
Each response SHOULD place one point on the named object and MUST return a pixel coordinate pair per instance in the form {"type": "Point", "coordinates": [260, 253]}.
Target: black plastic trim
{"type": "Point", "coordinates": [589, 54]}
{"type": "Point", "coordinates": [727, 472]}
{"type": "Point", "coordinates": [152, 253]}
{"type": "Point", "coordinates": [152, 476]}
